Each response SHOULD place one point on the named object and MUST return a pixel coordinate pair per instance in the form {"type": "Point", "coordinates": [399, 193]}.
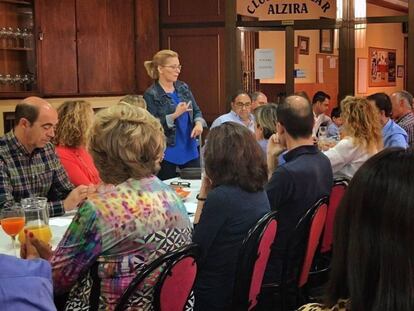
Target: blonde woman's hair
{"type": "Point", "coordinates": [362, 123]}
{"type": "Point", "coordinates": [134, 100]}
{"type": "Point", "coordinates": [266, 118]}
{"type": "Point", "coordinates": [75, 121]}
{"type": "Point", "coordinates": [127, 142]}
{"type": "Point", "coordinates": [159, 59]}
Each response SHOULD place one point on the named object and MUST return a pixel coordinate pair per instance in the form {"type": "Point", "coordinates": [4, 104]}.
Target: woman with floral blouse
{"type": "Point", "coordinates": [117, 232]}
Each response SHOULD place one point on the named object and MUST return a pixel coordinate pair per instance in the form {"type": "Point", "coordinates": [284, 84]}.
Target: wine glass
{"type": "Point", "coordinates": [12, 222]}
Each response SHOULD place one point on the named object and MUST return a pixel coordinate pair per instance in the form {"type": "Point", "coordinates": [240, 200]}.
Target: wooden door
{"type": "Point", "coordinates": [57, 47]}
{"type": "Point", "coordinates": [201, 52]}
{"type": "Point", "coordinates": [105, 46]}
{"type": "Point", "coordinates": [192, 11]}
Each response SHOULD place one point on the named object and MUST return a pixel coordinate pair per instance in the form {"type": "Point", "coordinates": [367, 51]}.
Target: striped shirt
{"type": "Point", "coordinates": [407, 123]}
{"type": "Point", "coordinates": [24, 174]}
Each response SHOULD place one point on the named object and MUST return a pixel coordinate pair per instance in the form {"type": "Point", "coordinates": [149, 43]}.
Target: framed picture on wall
{"type": "Point", "coordinates": [303, 44]}
{"type": "Point", "coordinates": [326, 41]}
{"type": "Point", "coordinates": [382, 67]}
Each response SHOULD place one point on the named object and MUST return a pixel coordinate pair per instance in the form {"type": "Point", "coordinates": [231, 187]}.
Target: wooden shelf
{"type": "Point", "coordinates": [17, 49]}
{"type": "Point", "coordinates": [17, 2]}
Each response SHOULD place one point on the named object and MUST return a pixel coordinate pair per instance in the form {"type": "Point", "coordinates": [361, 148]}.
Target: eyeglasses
{"type": "Point", "coordinates": [241, 105]}
{"type": "Point", "coordinates": [174, 67]}
{"type": "Point", "coordinates": [180, 184]}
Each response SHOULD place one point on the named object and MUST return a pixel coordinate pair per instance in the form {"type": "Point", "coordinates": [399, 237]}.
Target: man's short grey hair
{"type": "Point", "coordinates": [256, 94]}
{"type": "Point", "coordinates": [406, 96]}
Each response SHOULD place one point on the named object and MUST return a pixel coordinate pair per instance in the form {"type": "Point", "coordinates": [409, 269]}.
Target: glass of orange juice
{"type": "Point", "coordinates": [37, 219]}
{"type": "Point", "coordinates": [12, 221]}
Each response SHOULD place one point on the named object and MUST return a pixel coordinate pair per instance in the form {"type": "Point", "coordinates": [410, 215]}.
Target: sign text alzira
{"type": "Point", "coordinates": [287, 8]}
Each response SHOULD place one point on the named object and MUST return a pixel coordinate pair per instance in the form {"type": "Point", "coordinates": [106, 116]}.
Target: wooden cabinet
{"type": "Point", "coordinates": [105, 46]}
{"type": "Point", "coordinates": [86, 47]}
{"type": "Point", "coordinates": [17, 51]}
{"type": "Point", "coordinates": [57, 47]}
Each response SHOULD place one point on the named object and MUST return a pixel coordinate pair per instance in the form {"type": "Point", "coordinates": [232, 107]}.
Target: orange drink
{"type": "Point", "coordinates": [12, 225]}
{"type": "Point", "coordinates": [41, 232]}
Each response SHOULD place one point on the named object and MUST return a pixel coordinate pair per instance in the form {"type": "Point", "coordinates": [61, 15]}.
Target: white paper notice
{"type": "Point", "coordinates": [362, 75]}
{"type": "Point", "coordinates": [320, 70]}
{"type": "Point", "coordinates": [332, 62]}
{"type": "Point", "coordinates": [264, 63]}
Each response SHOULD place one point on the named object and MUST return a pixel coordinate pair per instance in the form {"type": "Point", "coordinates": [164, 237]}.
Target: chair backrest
{"type": "Point", "coordinates": [253, 256]}
{"type": "Point", "coordinates": [316, 226]}
{"type": "Point", "coordinates": [174, 282]}
{"type": "Point", "coordinates": [338, 191]}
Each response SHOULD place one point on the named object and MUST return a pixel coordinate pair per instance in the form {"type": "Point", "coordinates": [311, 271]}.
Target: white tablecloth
{"type": "Point", "coordinates": [58, 225]}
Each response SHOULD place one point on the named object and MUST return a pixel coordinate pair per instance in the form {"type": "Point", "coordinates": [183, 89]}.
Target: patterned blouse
{"type": "Point", "coordinates": [342, 305]}
{"type": "Point", "coordinates": [122, 230]}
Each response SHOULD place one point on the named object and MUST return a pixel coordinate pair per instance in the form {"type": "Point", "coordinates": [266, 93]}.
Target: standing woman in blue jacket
{"type": "Point", "coordinates": [171, 101]}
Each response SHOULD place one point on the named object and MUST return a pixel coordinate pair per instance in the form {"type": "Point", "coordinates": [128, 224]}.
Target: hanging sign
{"type": "Point", "coordinates": [293, 9]}
{"type": "Point", "coordinates": [264, 63]}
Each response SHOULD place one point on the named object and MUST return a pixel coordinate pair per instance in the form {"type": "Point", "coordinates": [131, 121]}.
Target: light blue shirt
{"type": "Point", "coordinates": [233, 117]}
{"type": "Point", "coordinates": [394, 135]}
{"type": "Point", "coordinates": [25, 284]}
{"type": "Point", "coordinates": [333, 130]}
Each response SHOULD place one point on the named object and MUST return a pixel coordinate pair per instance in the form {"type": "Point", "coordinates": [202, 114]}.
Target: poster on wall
{"type": "Point", "coordinates": [264, 63]}
{"type": "Point", "coordinates": [382, 67]}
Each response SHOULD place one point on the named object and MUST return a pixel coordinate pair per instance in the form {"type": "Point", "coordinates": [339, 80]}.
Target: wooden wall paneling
{"type": "Point", "coordinates": [93, 46]}
{"type": "Point", "coordinates": [202, 54]}
{"type": "Point", "coordinates": [147, 34]}
{"type": "Point", "coordinates": [121, 49]}
{"type": "Point", "coordinates": [192, 11]}
{"type": "Point", "coordinates": [56, 24]}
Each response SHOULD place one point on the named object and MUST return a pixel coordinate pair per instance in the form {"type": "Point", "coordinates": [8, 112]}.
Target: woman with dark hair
{"type": "Point", "coordinates": [373, 256]}
{"type": "Point", "coordinates": [230, 202]}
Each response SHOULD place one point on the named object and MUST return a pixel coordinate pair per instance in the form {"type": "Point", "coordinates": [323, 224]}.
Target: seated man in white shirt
{"type": "Point", "coordinates": [241, 107]}
{"type": "Point", "coordinates": [320, 105]}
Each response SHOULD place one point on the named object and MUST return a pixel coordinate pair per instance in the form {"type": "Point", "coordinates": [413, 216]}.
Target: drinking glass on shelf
{"type": "Point", "coordinates": [3, 37]}
{"type": "Point", "coordinates": [12, 221]}
{"type": "Point", "coordinates": [9, 35]}
{"type": "Point", "coordinates": [37, 219]}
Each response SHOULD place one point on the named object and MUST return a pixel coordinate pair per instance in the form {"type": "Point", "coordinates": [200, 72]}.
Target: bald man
{"type": "Point", "coordinates": [29, 166]}
{"type": "Point", "coordinates": [295, 186]}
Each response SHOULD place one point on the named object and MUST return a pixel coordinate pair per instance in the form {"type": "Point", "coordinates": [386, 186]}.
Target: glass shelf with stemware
{"type": "Point", "coordinates": [18, 68]}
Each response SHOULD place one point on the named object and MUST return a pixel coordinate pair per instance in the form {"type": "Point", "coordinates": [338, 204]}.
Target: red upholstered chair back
{"type": "Point", "coordinates": [316, 227]}
{"type": "Point", "coordinates": [174, 288]}
{"type": "Point", "coordinates": [174, 283]}
{"type": "Point", "coordinates": [253, 257]}
{"type": "Point", "coordinates": [259, 268]}
{"type": "Point", "coordinates": [338, 191]}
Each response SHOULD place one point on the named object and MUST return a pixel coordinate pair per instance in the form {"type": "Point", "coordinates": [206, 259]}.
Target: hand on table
{"type": "Point", "coordinates": [33, 248]}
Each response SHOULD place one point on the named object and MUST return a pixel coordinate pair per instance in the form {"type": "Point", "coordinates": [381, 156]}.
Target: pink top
{"type": "Point", "coordinates": [79, 165]}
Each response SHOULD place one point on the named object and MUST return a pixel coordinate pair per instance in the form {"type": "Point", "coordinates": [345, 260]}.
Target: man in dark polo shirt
{"type": "Point", "coordinates": [296, 185]}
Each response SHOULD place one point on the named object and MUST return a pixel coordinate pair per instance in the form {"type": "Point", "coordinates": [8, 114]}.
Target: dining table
{"type": "Point", "coordinates": [59, 224]}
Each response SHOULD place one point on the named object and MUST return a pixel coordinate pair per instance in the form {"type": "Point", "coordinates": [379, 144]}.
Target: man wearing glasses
{"type": "Point", "coordinates": [241, 107]}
